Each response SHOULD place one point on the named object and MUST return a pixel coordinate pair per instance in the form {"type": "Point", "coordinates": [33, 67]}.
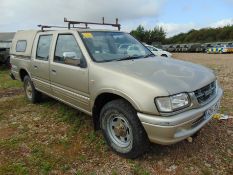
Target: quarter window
{"type": "Point", "coordinates": [21, 46]}
{"type": "Point", "coordinates": [67, 50]}
{"type": "Point", "coordinates": [43, 47]}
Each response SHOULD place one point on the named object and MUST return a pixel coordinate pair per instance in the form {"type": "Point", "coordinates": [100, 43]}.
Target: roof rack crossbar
{"type": "Point", "coordinates": [92, 23]}
{"type": "Point", "coordinates": [46, 27]}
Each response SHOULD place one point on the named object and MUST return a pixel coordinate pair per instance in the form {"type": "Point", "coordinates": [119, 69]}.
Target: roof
{"type": "Point", "coordinates": [7, 36]}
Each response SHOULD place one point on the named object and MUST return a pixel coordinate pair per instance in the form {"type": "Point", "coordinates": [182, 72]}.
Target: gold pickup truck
{"type": "Point", "coordinates": [134, 96]}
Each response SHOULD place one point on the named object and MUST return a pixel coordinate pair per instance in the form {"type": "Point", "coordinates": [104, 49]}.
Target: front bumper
{"type": "Point", "coordinates": [172, 129]}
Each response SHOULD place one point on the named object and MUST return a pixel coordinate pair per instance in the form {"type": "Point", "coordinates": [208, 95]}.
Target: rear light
{"type": "Point", "coordinates": [10, 66]}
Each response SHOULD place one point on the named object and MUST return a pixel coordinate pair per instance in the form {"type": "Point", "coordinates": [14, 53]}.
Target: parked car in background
{"type": "Point", "coordinates": [158, 52]}
{"type": "Point", "coordinates": [177, 47]}
{"type": "Point", "coordinates": [171, 48]}
{"type": "Point", "coordinates": [181, 47]}
{"type": "Point", "coordinates": [224, 48]}
{"type": "Point", "coordinates": [184, 48]}
{"type": "Point", "coordinates": [214, 49]}
{"type": "Point", "coordinates": [195, 47]}
{"type": "Point", "coordinates": [228, 48]}
{"type": "Point", "coordinates": [206, 46]}
{"type": "Point", "coordinates": [165, 47]}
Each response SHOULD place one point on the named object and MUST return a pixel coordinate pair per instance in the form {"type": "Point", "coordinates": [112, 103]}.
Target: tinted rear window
{"type": "Point", "coordinates": [21, 46]}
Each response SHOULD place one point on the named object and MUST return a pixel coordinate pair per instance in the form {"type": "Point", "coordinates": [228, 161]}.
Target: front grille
{"type": "Point", "coordinates": [205, 93]}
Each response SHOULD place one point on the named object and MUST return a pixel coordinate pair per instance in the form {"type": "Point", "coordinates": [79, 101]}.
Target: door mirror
{"type": "Point", "coordinates": [70, 58]}
{"type": "Point", "coordinates": [71, 55]}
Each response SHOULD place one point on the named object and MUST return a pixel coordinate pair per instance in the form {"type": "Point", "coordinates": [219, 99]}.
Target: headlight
{"type": "Point", "coordinates": [172, 103]}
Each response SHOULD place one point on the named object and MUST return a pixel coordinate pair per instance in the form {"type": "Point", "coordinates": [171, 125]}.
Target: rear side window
{"type": "Point", "coordinates": [43, 47]}
{"type": "Point", "coordinates": [21, 46]}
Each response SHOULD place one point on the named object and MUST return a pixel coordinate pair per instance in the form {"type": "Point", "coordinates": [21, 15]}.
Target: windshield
{"type": "Point", "coordinates": [113, 46]}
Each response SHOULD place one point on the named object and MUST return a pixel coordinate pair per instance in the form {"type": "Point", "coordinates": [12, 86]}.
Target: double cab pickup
{"type": "Point", "coordinates": [133, 96]}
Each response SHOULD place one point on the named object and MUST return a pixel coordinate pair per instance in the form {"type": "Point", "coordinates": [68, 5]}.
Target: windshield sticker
{"type": "Point", "coordinates": [87, 35]}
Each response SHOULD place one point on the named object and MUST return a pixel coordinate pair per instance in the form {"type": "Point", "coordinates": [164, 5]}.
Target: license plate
{"type": "Point", "coordinates": [212, 110]}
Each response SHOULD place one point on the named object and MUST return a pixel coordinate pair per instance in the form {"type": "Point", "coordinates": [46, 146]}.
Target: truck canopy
{"type": "Point", "coordinates": [23, 42]}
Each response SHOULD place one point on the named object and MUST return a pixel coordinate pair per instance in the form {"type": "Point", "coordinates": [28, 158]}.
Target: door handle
{"type": "Point", "coordinates": [54, 72]}
{"type": "Point", "coordinates": [36, 67]}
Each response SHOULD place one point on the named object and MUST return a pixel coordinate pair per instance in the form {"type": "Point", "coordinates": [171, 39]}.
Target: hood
{"type": "Point", "coordinates": [175, 76]}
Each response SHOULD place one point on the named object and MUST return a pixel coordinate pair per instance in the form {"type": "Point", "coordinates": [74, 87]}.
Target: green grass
{"type": "Point", "coordinates": [6, 82]}
{"type": "Point", "coordinates": [18, 168]}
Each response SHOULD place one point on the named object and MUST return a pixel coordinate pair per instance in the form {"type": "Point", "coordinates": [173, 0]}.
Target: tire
{"type": "Point", "coordinates": [123, 130]}
{"type": "Point", "coordinates": [30, 92]}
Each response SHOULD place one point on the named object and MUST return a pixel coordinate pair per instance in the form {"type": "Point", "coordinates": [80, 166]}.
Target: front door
{"type": "Point", "coordinates": [69, 73]}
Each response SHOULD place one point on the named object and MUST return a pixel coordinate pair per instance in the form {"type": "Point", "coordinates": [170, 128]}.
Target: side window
{"type": "Point", "coordinates": [21, 46]}
{"type": "Point", "coordinates": [67, 50]}
{"type": "Point", "coordinates": [43, 47]}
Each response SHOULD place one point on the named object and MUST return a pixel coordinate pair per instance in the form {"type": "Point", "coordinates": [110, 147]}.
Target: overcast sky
{"type": "Point", "coordinates": [174, 15]}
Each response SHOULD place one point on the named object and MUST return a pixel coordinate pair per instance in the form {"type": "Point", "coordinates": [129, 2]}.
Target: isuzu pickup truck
{"type": "Point", "coordinates": [134, 97]}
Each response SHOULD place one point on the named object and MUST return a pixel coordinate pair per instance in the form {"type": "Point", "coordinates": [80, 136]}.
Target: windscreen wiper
{"type": "Point", "coordinates": [149, 55]}
{"type": "Point", "coordinates": [128, 58]}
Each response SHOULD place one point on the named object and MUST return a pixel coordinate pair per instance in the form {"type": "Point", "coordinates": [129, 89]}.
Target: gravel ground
{"type": "Point", "coordinates": [52, 138]}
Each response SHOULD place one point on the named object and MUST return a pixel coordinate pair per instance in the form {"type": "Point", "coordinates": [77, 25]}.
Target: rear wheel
{"type": "Point", "coordinates": [122, 129]}
{"type": "Point", "coordinates": [31, 93]}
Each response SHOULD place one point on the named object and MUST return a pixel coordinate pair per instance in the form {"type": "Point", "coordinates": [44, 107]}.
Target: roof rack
{"type": "Point", "coordinates": [92, 23]}
{"type": "Point", "coordinates": [71, 24]}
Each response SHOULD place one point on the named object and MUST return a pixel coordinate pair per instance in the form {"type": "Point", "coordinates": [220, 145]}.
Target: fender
{"type": "Point", "coordinates": [116, 92]}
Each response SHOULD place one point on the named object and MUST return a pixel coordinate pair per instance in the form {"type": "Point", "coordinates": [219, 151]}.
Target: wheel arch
{"type": "Point", "coordinates": [22, 73]}
{"type": "Point", "coordinates": [105, 97]}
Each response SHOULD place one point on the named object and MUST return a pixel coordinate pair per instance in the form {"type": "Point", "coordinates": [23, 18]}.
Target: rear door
{"type": "Point", "coordinates": [40, 62]}
{"type": "Point", "coordinates": [69, 79]}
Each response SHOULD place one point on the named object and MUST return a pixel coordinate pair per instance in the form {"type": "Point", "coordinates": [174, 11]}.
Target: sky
{"type": "Point", "coordinates": [175, 16]}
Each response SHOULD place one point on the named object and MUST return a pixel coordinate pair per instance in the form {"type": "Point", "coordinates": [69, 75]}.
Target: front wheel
{"type": "Point", "coordinates": [122, 129]}
{"type": "Point", "coordinates": [31, 93]}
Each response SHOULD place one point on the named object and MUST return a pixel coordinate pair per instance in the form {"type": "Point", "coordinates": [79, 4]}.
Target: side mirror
{"type": "Point", "coordinates": [71, 58]}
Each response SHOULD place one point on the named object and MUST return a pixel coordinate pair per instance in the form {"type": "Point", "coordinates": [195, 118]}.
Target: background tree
{"type": "Point", "coordinates": [149, 36]}
{"type": "Point", "coordinates": [203, 35]}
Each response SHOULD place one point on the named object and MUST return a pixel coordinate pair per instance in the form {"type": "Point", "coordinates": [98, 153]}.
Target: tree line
{"type": "Point", "coordinates": [204, 35]}
{"type": "Point", "coordinates": [149, 36]}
